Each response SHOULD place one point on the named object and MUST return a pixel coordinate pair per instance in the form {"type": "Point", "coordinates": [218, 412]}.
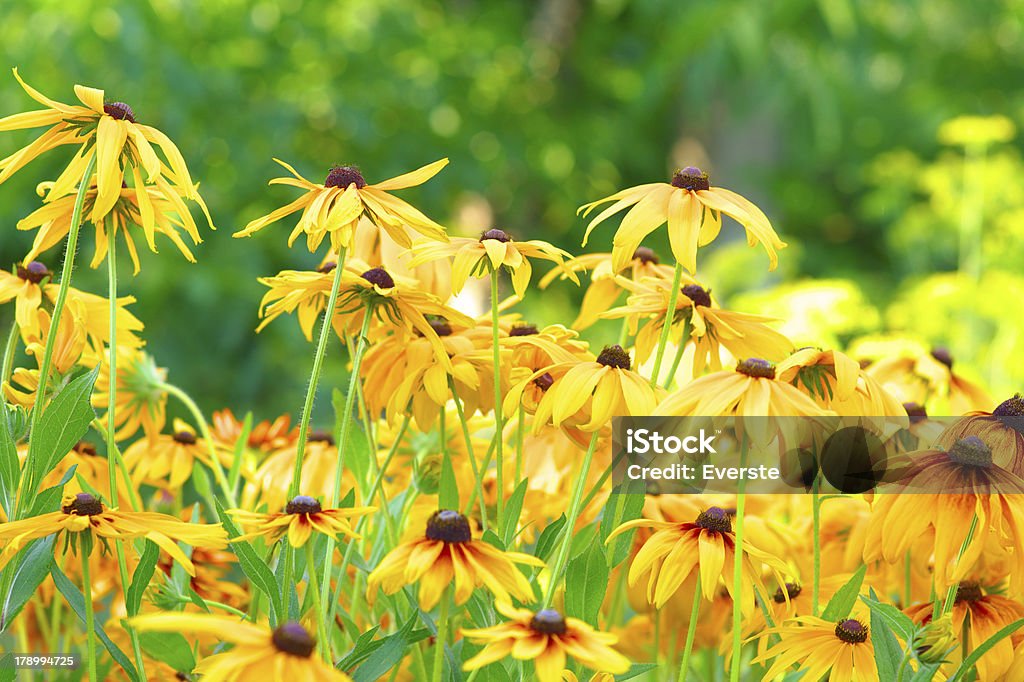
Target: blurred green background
{"type": "Point", "coordinates": [825, 113]}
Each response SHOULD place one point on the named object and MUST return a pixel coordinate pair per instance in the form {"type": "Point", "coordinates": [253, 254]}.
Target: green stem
{"type": "Point", "coordinates": [737, 570]}
{"type": "Point", "coordinates": [122, 567]}
{"type": "Point", "coordinates": [442, 636]}
{"type": "Point", "coordinates": [90, 615]}
{"type": "Point", "coordinates": [29, 490]}
{"type": "Point", "coordinates": [477, 473]}
{"type": "Point", "coordinates": [499, 435]}
{"type": "Point", "coordinates": [666, 328]}
{"type": "Point", "coordinates": [314, 376]}
{"type": "Point", "coordinates": [313, 588]}
{"type": "Point", "coordinates": [9, 350]}
{"type": "Point", "coordinates": [574, 511]}
{"type": "Point", "coordinates": [133, 495]}
{"type": "Point", "coordinates": [520, 436]}
{"type": "Point", "coordinates": [343, 443]}
{"type": "Point", "coordinates": [204, 430]}
{"type": "Point", "coordinates": [680, 351]}
{"type": "Point", "coordinates": [112, 362]}
{"type": "Point", "coordinates": [288, 557]}
{"type": "Point", "coordinates": [691, 630]}
{"type": "Point", "coordinates": [816, 516]}
{"type": "Point", "coordinates": [947, 606]}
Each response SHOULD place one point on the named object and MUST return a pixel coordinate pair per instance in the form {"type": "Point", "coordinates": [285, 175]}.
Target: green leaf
{"type": "Point", "coordinates": [899, 622]}
{"type": "Point", "coordinates": [888, 653]}
{"type": "Point", "coordinates": [586, 580]}
{"type": "Point", "coordinates": [32, 568]}
{"type": "Point", "coordinates": [845, 597]}
{"type": "Point", "coordinates": [49, 499]}
{"type": "Point", "coordinates": [984, 648]}
{"type": "Point", "coordinates": [143, 576]}
{"type": "Point", "coordinates": [548, 538]}
{"type": "Point", "coordinates": [626, 506]}
{"type": "Point", "coordinates": [201, 481]}
{"type": "Point", "coordinates": [10, 469]}
{"type": "Point", "coordinates": [252, 565]}
{"type": "Point", "coordinates": [926, 673]}
{"type": "Point", "coordinates": [636, 670]}
{"type": "Point", "coordinates": [77, 602]}
{"type": "Point", "coordinates": [364, 645]}
{"type": "Point", "coordinates": [357, 449]}
{"type": "Point", "coordinates": [239, 451]}
{"type": "Point", "coordinates": [169, 647]}
{"type": "Point", "coordinates": [390, 652]}
{"type": "Point", "coordinates": [448, 493]}
{"type": "Point", "coordinates": [7, 669]}
{"type": "Point", "coordinates": [513, 509]}
{"type": "Point", "coordinates": [61, 425]}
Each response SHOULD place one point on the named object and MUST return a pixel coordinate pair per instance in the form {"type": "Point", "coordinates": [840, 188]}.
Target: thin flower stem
{"type": "Point", "coordinates": [947, 606]}
{"type": "Point", "coordinates": [90, 615]}
{"type": "Point", "coordinates": [113, 454]}
{"type": "Point", "coordinates": [680, 351]}
{"type": "Point", "coordinates": [574, 511]}
{"type": "Point", "coordinates": [314, 376]}
{"type": "Point", "coordinates": [9, 350]}
{"type": "Point", "coordinates": [218, 605]}
{"type": "Point", "coordinates": [133, 495]}
{"type": "Point", "coordinates": [204, 430]}
{"type": "Point", "coordinates": [28, 489]}
{"type": "Point", "coordinates": [477, 473]}
{"type": "Point", "coordinates": [442, 635]}
{"type": "Point", "coordinates": [122, 568]}
{"type": "Point", "coordinates": [691, 630]}
{"type": "Point", "coordinates": [313, 588]}
{"type": "Point", "coordinates": [288, 557]}
{"type": "Point", "coordinates": [346, 423]}
{"type": "Point", "coordinates": [520, 436]}
{"type": "Point", "coordinates": [737, 570]}
{"type": "Point", "coordinates": [666, 327]}
{"type": "Point", "coordinates": [499, 435]}
{"type": "Point", "coordinates": [816, 520]}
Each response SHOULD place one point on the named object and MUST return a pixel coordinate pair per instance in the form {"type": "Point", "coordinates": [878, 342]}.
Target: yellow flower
{"type": "Point", "coordinates": [167, 459]}
{"type": "Point", "coordinates": [141, 402]}
{"type": "Point", "coordinates": [334, 208]}
{"type": "Point", "coordinates": [270, 483]}
{"type": "Point", "coordinates": [494, 249]}
{"type": "Point", "coordinates": [119, 142]}
{"type": "Point", "coordinates": [1002, 429]}
{"type": "Point", "coordinates": [707, 545]}
{"type": "Point", "coordinates": [264, 437]}
{"type": "Point", "coordinates": [693, 210]}
{"type": "Point", "coordinates": [302, 292]}
{"type": "Point", "coordinates": [142, 206]}
{"type": "Point", "coordinates": [448, 554]}
{"type": "Point", "coordinates": [375, 247]}
{"type": "Point", "coordinates": [83, 512]}
{"type": "Point", "coordinates": [837, 382]}
{"type": "Point", "coordinates": [972, 131]}
{"type": "Point", "coordinates": [546, 637]}
{"type": "Point", "coordinates": [301, 516]}
{"type": "Point", "coordinates": [840, 651]}
{"type": "Point", "coordinates": [285, 654]}
{"type": "Point", "coordinates": [929, 378]}
{"type": "Point", "coordinates": [69, 348]}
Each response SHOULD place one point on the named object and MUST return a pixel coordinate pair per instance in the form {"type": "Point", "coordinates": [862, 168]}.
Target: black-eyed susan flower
{"type": "Point", "coordinates": [265, 436]}
{"type": "Point", "coordinates": [494, 249]}
{"type": "Point", "coordinates": [270, 483]}
{"type": "Point", "coordinates": [303, 292]}
{"type": "Point", "coordinates": [141, 401]}
{"type": "Point", "coordinates": [693, 210]}
{"type": "Point", "coordinates": [109, 130]}
{"type": "Point", "coordinates": [301, 516]}
{"type": "Point", "coordinates": [448, 554]}
{"type": "Point", "coordinates": [837, 382]}
{"type": "Point", "coordinates": [928, 378]}
{"type": "Point", "coordinates": [547, 638]}
{"type": "Point", "coordinates": [284, 654]}
{"type": "Point", "coordinates": [1002, 429]}
{"type": "Point", "coordinates": [83, 512]}
{"type": "Point", "coordinates": [707, 545]}
{"type": "Point", "coordinates": [141, 207]}
{"type": "Point", "coordinates": [838, 650]}
{"type": "Point", "coordinates": [946, 491]}
{"type": "Point", "coordinates": [166, 460]}
{"type": "Point", "coordinates": [375, 247]}
{"type": "Point", "coordinates": [980, 615]}
{"type": "Point", "coordinates": [335, 207]}
{"type": "Point", "coordinates": [69, 347]}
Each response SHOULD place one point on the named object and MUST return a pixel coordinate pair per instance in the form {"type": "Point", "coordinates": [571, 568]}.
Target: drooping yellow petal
{"type": "Point", "coordinates": [110, 138]}
{"type": "Point", "coordinates": [413, 178]}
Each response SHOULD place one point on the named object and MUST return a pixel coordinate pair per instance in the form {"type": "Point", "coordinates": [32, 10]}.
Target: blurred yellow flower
{"type": "Point", "coordinates": [970, 131]}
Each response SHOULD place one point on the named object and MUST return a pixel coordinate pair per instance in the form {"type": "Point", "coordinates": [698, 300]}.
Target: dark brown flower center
{"type": "Point", "coordinates": [84, 447]}
{"type": "Point", "coordinates": [1014, 407]}
{"type": "Point", "coordinates": [302, 504]}
{"type": "Point", "coordinates": [968, 592]}
{"type": "Point", "coordinates": [714, 519]}
{"type": "Point", "coordinates": [943, 356]}
{"type": "Point", "coordinates": [698, 295]}
{"type": "Point", "coordinates": [499, 235]}
{"type": "Point", "coordinates": [120, 111]}
{"type": "Point", "coordinates": [185, 437]}
{"type": "Point", "coordinates": [791, 589]}
{"type": "Point", "coordinates": [84, 504]}
{"type": "Point", "coordinates": [645, 255]}
{"type": "Point", "coordinates": [756, 367]}
{"type": "Point", "coordinates": [440, 326]}
{"type": "Point", "coordinates": [915, 411]}
{"type": "Point", "coordinates": [971, 451]}
{"type": "Point", "coordinates": [321, 437]}
{"type": "Point", "coordinates": [34, 272]}
{"type": "Point", "coordinates": [523, 329]}
{"type": "Point", "coordinates": [852, 631]}
{"type": "Point", "coordinates": [614, 356]}
{"type": "Point", "coordinates": [327, 267]}
{"type": "Point", "coordinates": [448, 526]}
{"type": "Point", "coordinates": [691, 178]}
{"type": "Point", "coordinates": [343, 176]}
{"type": "Point", "coordinates": [379, 277]}
{"type": "Point", "coordinates": [292, 638]}
{"type": "Point", "coordinates": [548, 622]}
{"type": "Point", "coordinates": [544, 381]}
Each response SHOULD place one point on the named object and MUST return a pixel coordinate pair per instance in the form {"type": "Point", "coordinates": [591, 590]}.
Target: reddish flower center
{"type": "Point", "coordinates": [691, 178]}
{"type": "Point", "coordinates": [120, 111]}
{"type": "Point", "coordinates": [321, 437]}
{"type": "Point", "coordinates": [714, 519]}
{"type": "Point", "coordinates": [645, 255]}
{"type": "Point", "coordinates": [448, 526]}
{"type": "Point", "coordinates": [971, 451]}
{"type": "Point", "coordinates": [548, 622]}
{"type": "Point", "coordinates": [343, 176]}
{"type": "Point", "coordinates": [185, 437]}
{"type": "Point", "coordinates": [544, 381]}
{"type": "Point", "coordinates": [698, 295]}
{"type": "Point", "coordinates": [379, 277]}
{"type": "Point", "coordinates": [292, 638]}
{"type": "Point", "coordinates": [791, 589]}
{"type": "Point", "coordinates": [943, 356]}
{"type": "Point", "coordinates": [614, 356]}
{"type": "Point", "coordinates": [756, 367]}
{"type": "Point", "coordinates": [523, 329]}
{"type": "Point", "coordinates": [499, 235]}
{"type": "Point", "coordinates": [34, 272]}
{"type": "Point", "coordinates": [968, 592]}
{"type": "Point", "coordinates": [440, 326]}
{"type": "Point", "coordinates": [84, 504]}
{"type": "Point", "coordinates": [915, 411]}
{"type": "Point", "coordinates": [302, 504]}
{"type": "Point", "coordinates": [1014, 407]}
{"type": "Point", "coordinates": [851, 631]}
{"type": "Point", "coordinates": [327, 267]}
{"type": "Point", "coordinates": [84, 447]}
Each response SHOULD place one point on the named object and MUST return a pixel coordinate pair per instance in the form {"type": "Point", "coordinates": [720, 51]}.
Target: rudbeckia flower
{"type": "Point", "coordinates": [928, 378]}
{"type": "Point", "coordinates": [68, 351]}
{"type": "Point", "coordinates": [119, 142]}
{"type": "Point", "coordinates": [258, 654]}
{"type": "Point", "coordinates": [167, 459]}
{"type": "Point", "coordinates": [546, 637]}
{"type": "Point", "coordinates": [264, 436]}
{"type": "Point", "coordinates": [302, 292]}
{"type": "Point", "coordinates": [840, 651]}
{"type": "Point", "coordinates": [707, 545]}
{"type": "Point", "coordinates": [983, 615]}
{"type": "Point", "coordinates": [837, 382]}
{"type": "Point", "coordinates": [375, 247]}
{"type": "Point", "coordinates": [301, 516]}
{"type": "Point", "coordinates": [270, 483]}
{"type": "Point", "coordinates": [448, 554]}
{"type": "Point", "coordinates": [334, 208]}
{"type": "Point", "coordinates": [140, 206]}
{"type": "Point", "coordinates": [83, 512]}
{"type": "Point", "coordinates": [494, 249]}
{"type": "Point", "coordinates": [1002, 429]}
{"type": "Point", "coordinates": [89, 465]}
{"type": "Point", "coordinates": [141, 403]}
{"type": "Point", "coordinates": [693, 210]}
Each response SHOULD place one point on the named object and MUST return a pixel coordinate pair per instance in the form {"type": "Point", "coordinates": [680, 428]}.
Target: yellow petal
{"type": "Point", "coordinates": [413, 178]}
